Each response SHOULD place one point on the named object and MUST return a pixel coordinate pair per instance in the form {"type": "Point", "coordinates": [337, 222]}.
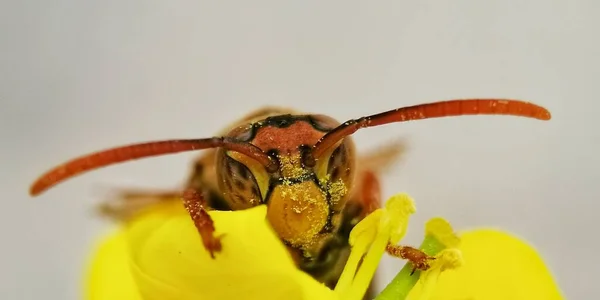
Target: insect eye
{"type": "Point", "coordinates": [338, 163]}
{"type": "Point", "coordinates": [240, 187]}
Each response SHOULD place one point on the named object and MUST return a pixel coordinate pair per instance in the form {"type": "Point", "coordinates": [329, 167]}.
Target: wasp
{"type": "Point", "coordinates": [304, 167]}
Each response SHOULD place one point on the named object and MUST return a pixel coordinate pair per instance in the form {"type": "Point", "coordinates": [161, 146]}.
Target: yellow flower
{"type": "Point", "coordinates": [159, 255]}
{"type": "Point", "coordinates": [494, 265]}
{"type": "Point", "coordinates": [498, 266]}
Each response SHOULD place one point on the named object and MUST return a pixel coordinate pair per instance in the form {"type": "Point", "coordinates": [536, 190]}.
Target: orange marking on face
{"type": "Point", "coordinates": [287, 140]}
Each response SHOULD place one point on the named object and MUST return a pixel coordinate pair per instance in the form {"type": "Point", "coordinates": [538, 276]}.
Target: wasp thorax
{"type": "Point", "coordinates": [298, 212]}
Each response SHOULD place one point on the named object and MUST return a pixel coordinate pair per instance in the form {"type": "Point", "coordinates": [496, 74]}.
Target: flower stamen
{"type": "Point", "coordinates": [439, 236]}
{"type": "Point", "coordinates": [445, 260]}
{"type": "Point", "coordinates": [371, 237]}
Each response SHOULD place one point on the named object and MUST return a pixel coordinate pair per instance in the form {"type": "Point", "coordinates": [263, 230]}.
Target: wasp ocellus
{"type": "Point", "coordinates": [304, 167]}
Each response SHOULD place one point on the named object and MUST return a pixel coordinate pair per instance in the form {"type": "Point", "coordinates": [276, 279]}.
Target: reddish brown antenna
{"type": "Point", "coordinates": [136, 151]}
{"type": "Point", "coordinates": [428, 111]}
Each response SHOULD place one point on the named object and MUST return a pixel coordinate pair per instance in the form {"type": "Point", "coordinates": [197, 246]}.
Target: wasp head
{"type": "Point", "coordinates": [304, 200]}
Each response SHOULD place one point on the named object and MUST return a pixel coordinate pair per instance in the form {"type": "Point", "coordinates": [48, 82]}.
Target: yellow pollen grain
{"type": "Point", "coordinates": [311, 207]}
{"type": "Point", "coordinates": [291, 165]}
{"type": "Point", "coordinates": [337, 190]}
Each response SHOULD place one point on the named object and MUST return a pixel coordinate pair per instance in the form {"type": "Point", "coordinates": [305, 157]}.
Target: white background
{"type": "Point", "coordinates": [79, 76]}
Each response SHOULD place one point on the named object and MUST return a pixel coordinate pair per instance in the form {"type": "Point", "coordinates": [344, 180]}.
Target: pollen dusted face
{"type": "Point", "coordinates": [304, 204]}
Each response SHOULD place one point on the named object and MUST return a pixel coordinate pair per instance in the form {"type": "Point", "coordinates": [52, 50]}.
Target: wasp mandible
{"type": "Point", "coordinates": [304, 167]}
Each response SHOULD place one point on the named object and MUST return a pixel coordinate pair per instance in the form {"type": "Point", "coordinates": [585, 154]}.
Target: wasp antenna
{"type": "Point", "coordinates": [136, 151]}
{"type": "Point", "coordinates": [428, 111]}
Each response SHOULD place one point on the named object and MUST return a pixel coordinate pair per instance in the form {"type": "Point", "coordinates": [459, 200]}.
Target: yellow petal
{"type": "Point", "coordinates": [108, 276]}
{"type": "Point", "coordinates": [497, 265]}
{"type": "Point", "coordinates": [167, 260]}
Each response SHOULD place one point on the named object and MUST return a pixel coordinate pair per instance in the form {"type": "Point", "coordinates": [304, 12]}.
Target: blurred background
{"type": "Point", "coordinates": [79, 76]}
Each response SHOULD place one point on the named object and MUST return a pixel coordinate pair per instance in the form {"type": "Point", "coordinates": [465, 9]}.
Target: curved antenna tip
{"type": "Point", "coordinates": [545, 115]}
{"type": "Point", "coordinates": [33, 193]}
{"type": "Point", "coordinates": [35, 190]}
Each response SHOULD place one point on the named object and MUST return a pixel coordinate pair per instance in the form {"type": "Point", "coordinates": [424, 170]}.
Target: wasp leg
{"type": "Point", "coordinates": [367, 187]}
{"type": "Point", "coordinates": [371, 192]}
{"type": "Point", "coordinates": [195, 204]}
{"type": "Point", "coordinates": [371, 197]}
{"type": "Point", "coordinates": [129, 203]}
{"type": "Point", "coordinates": [416, 257]}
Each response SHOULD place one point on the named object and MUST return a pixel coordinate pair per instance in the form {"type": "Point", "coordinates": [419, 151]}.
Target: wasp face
{"type": "Point", "coordinates": [304, 203]}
